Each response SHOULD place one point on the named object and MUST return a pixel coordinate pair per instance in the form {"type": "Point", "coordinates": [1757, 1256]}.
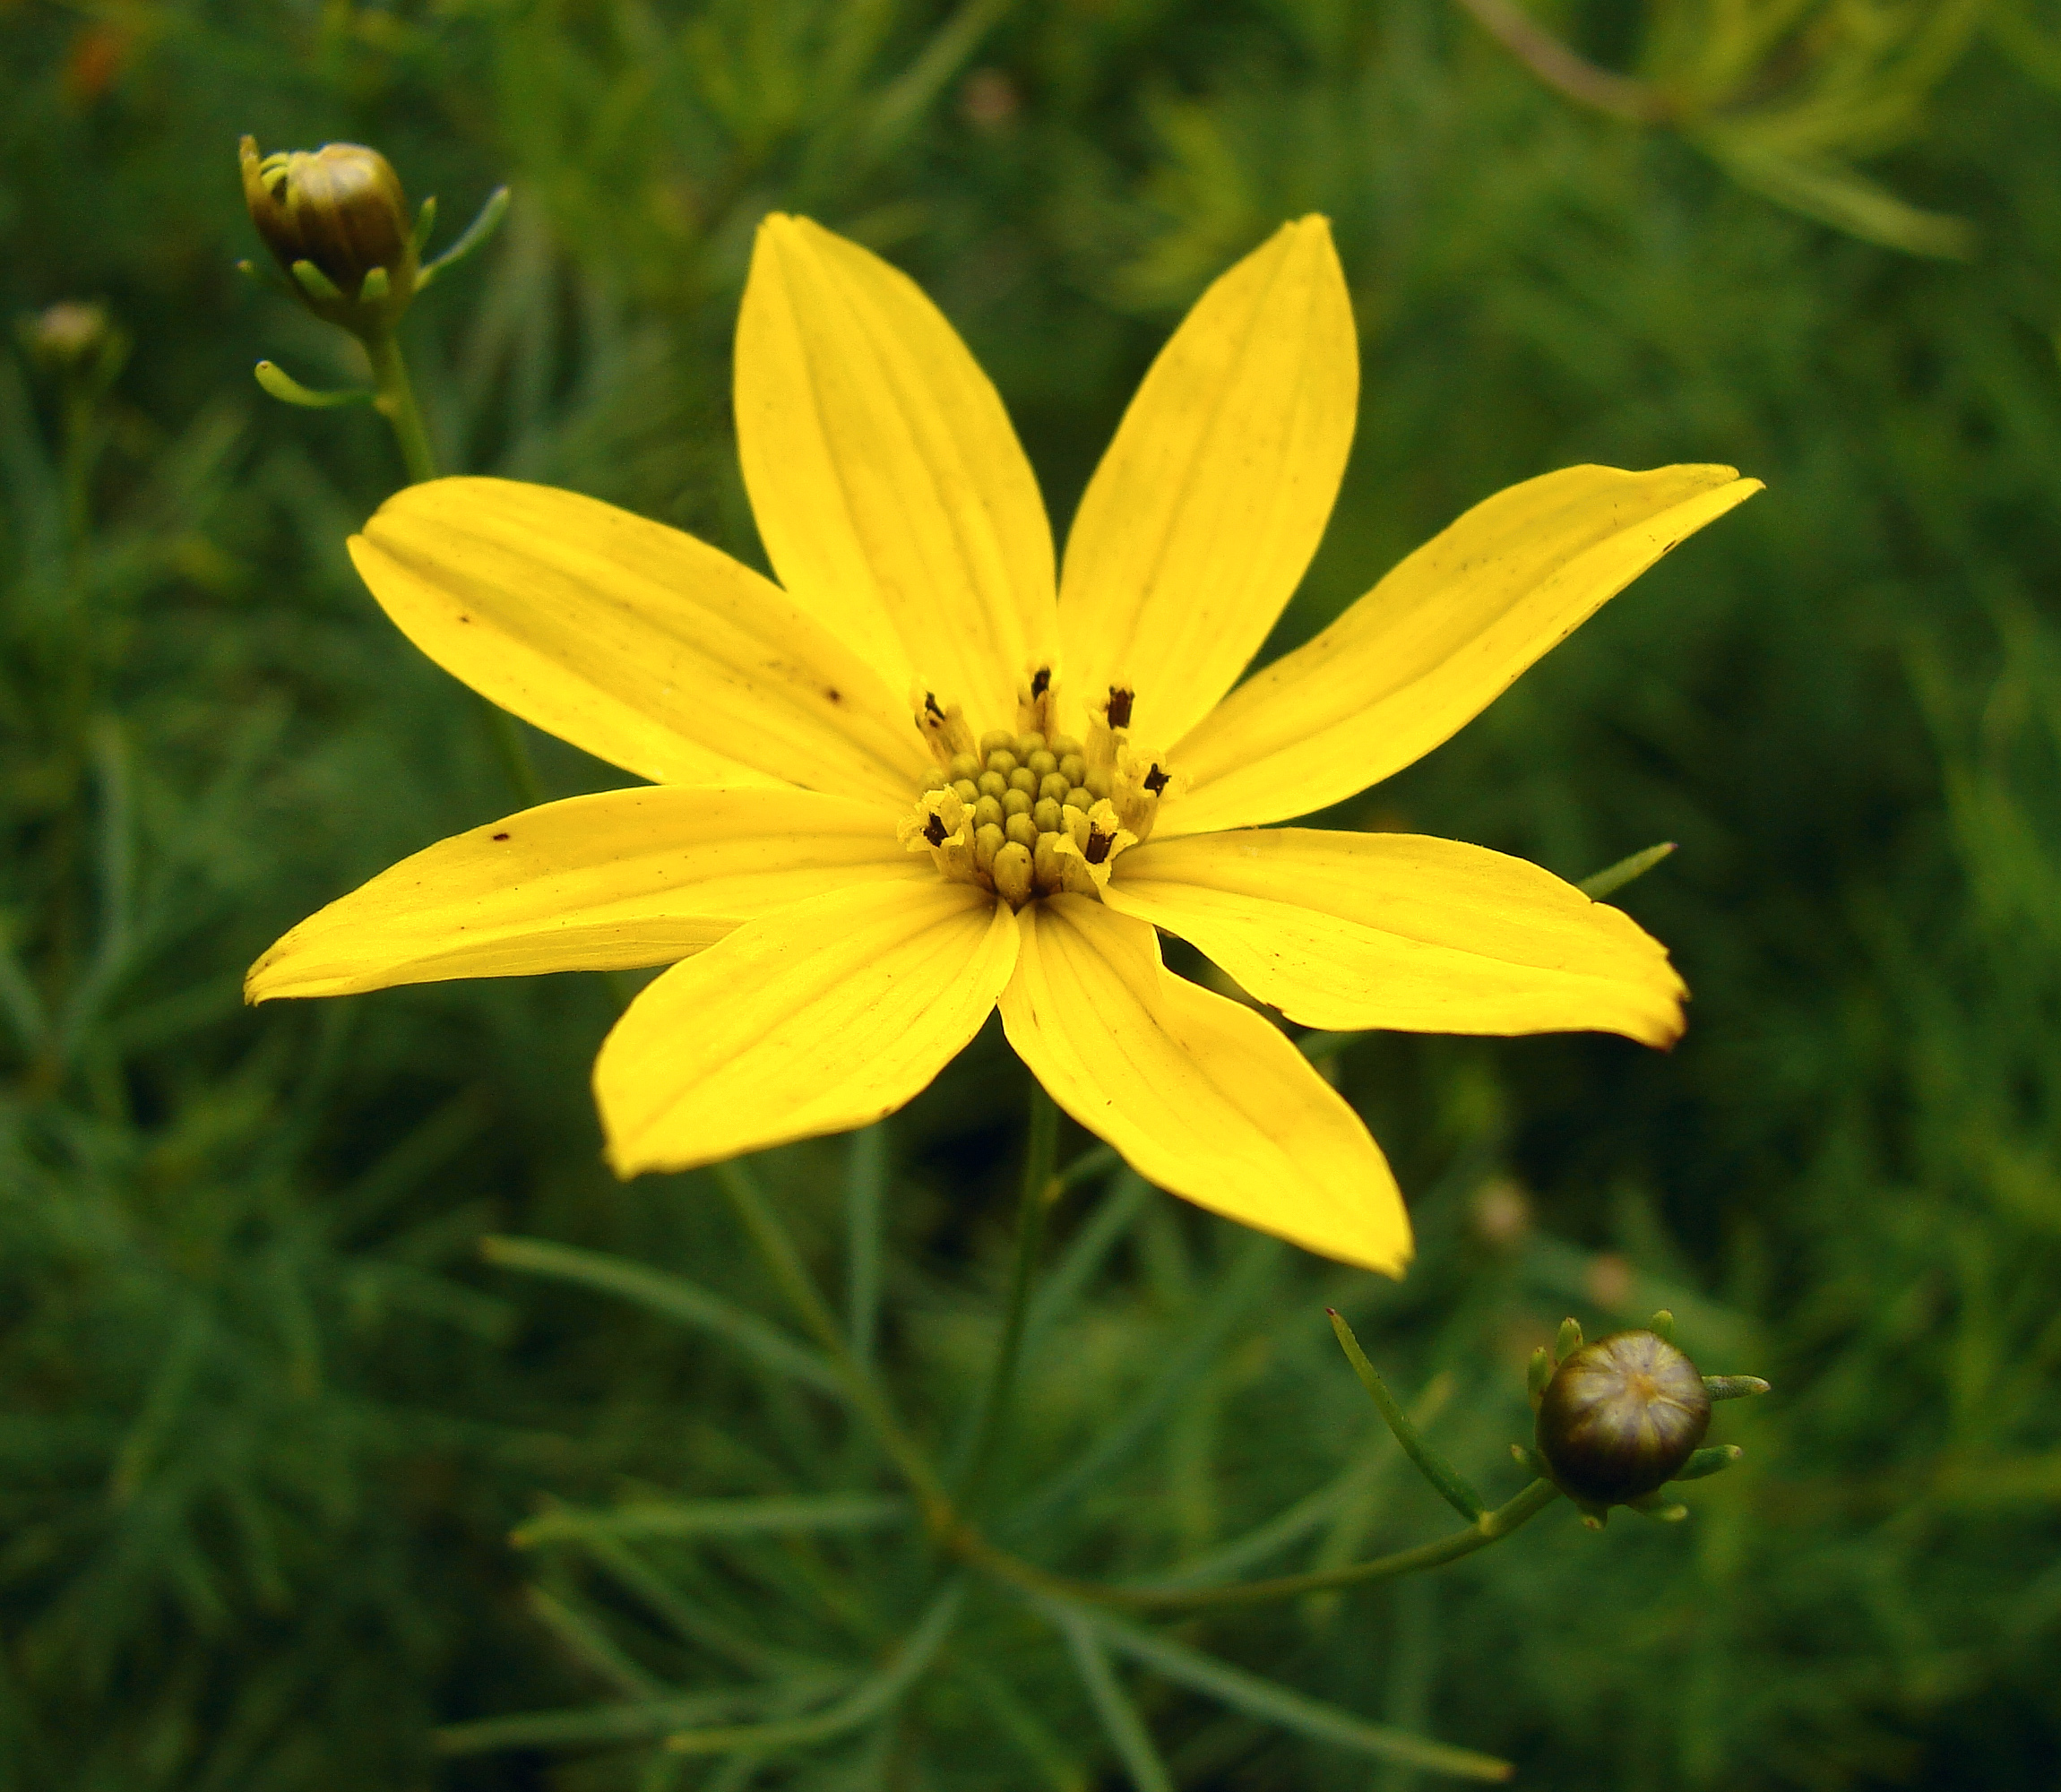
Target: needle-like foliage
{"type": "Point", "coordinates": [306, 1488]}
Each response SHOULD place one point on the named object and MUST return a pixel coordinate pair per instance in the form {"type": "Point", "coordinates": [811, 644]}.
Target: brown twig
{"type": "Point", "coordinates": [1560, 68]}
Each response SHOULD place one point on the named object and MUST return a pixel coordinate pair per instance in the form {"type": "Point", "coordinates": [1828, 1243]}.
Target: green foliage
{"type": "Point", "coordinates": [271, 1415]}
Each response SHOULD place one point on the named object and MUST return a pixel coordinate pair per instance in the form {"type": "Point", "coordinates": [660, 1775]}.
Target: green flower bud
{"type": "Point", "coordinates": [337, 222]}
{"type": "Point", "coordinates": [1621, 1416]}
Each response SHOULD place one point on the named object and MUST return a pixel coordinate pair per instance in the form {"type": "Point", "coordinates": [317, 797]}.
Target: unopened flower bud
{"type": "Point", "coordinates": [1620, 1417]}
{"type": "Point", "coordinates": [66, 334]}
{"type": "Point", "coordinates": [337, 222]}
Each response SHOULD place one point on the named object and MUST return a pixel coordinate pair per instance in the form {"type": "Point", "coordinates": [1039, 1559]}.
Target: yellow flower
{"type": "Point", "coordinates": [814, 848]}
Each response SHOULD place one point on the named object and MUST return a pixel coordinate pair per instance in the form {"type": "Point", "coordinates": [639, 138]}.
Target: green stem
{"type": "Point", "coordinates": [1041, 1163]}
{"type": "Point", "coordinates": [941, 1515]}
{"type": "Point", "coordinates": [1491, 1527]}
{"type": "Point", "coordinates": [396, 403]}
{"type": "Point", "coordinates": [777, 1252]}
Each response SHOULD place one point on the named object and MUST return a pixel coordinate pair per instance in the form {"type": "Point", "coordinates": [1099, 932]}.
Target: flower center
{"type": "Point", "coordinates": [1032, 812]}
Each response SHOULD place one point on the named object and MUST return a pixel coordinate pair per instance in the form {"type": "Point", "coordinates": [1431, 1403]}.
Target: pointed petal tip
{"type": "Point", "coordinates": [1394, 1264]}
{"type": "Point", "coordinates": [1311, 234]}
{"type": "Point", "coordinates": [623, 1163]}
{"type": "Point", "coordinates": [262, 980]}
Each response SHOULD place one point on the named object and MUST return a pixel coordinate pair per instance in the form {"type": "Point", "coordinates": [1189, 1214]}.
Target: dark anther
{"type": "Point", "coordinates": [1098, 846]}
{"type": "Point", "coordinates": [930, 703]}
{"type": "Point", "coordinates": [1041, 681]}
{"type": "Point", "coordinates": [1120, 701]}
{"type": "Point", "coordinates": [933, 831]}
{"type": "Point", "coordinates": [1155, 781]}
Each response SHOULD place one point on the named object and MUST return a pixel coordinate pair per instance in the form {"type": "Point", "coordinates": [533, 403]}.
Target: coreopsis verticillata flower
{"type": "Point", "coordinates": [922, 776]}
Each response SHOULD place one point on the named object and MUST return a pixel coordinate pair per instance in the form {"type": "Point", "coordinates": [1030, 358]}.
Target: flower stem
{"type": "Point", "coordinates": [1491, 1527]}
{"type": "Point", "coordinates": [1041, 1162]}
{"type": "Point", "coordinates": [395, 402]}
{"type": "Point", "coordinates": [941, 1516]}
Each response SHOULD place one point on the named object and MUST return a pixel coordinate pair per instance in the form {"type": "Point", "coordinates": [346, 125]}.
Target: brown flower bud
{"type": "Point", "coordinates": [337, 222]}
{"type": "Point", "coordinates": [67, 334]}
{"type": "Point", "coordinates": [1620, 1417]}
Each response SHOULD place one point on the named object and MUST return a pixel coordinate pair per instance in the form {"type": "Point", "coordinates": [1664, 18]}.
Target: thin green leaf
{"type": "Point", "coordinates": [775, 1514]}
{"type": "Point", "coordinates": [647, 1720]}
{"type": "Point", "coordinates": [1222, 1310]}
{"type": "Point", "coordinates": [874, 1696]}
{"type": "Point", "coordinates": [912, 94]}
{"type": "Point", "coordinates": [18, 999]}
{"type": "Point", "coordinates": [592, 1646]}
{"type": "Point", "coordinates": [1272, 1704]}
{"type": "Point", "coordinates": [1084, 1256]}
{"type": "Point", "coordinates": [1023, 1726]}
{"type": "Point", "coordinates": [1121, 1723]}
{"type": "Point", "coordinates": [669, 1295]}
{"type": "Point", "coordinates": [692, 1620]}
{"type": "Point", "coordinates": [1843, 198]}
{"type": "Point", "coordinates": [1615, 877]}
{"type": "Point", "coordinates": [1451, 1484]}
{"type": "Point", "coordinates": [474, 237]}
{"type": "Point", "coordinates": [866, 1180]}
{"type": "Point", "coordinates": [282, 385]}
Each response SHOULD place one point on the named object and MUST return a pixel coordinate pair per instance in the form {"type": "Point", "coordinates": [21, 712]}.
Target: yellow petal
{"type": "Point", "coordinates": [1199, 1093]}
{"type": "Point", "coordinates": [1436, 641]}
{"type": "Point", "coordinates": [644, 646]}
{"type": "Point", "coordinates": [822, 1017]}
{"type": "Point", "coordinates": [890, 491]}
{"type": "Point", "coordinates": [1349, 931]}
{"type": "Point", "coordinates": [1202, 518]}
{"type": "Point", "coordinates": [600, 882]}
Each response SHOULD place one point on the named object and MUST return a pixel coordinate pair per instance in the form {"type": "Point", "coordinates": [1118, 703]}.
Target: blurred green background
{"type": "Point", "coordinates": [267, 1417]}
